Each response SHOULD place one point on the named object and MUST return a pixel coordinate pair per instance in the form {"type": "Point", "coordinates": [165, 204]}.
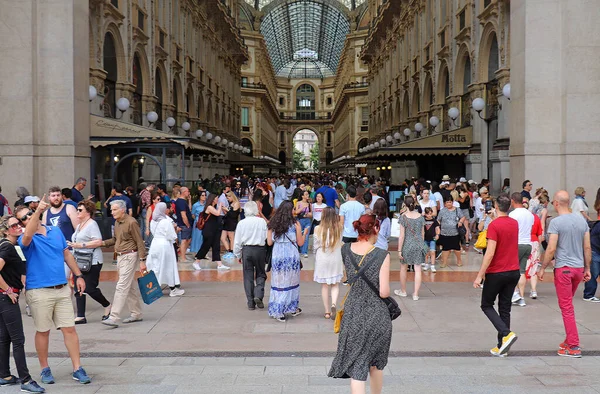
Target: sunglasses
{"type": "Point", "coordinates": [15, 226]}
{"type": "Point", "coordinates": [27, 215]}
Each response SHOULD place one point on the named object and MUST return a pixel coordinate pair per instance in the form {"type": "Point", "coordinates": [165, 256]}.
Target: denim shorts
{"type": "Point", "coordinates": [430, 245]}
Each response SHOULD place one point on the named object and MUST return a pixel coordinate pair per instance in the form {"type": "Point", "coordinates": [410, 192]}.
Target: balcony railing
{"type": "Point", "coordinates": [252, 85]}
{"type": "Point", "coordinates": [304, 116]}
{"type": "Point", "coordinates": [356, 85]}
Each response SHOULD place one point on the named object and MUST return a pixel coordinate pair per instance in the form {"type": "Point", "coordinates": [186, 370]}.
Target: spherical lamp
{"type": "Point", "coordinates": [419, 127]}
{"type": "Point", "coordinates": [230, 144]}
{"type": "Point", "coordinates": [224, 141]}
{"type": "Point", "coordinates": [93, 92]}
{"type": "Point", "coordinates": [209, 136]}
{"type": "Point", "coordinates": [407, 132]}
{"type": "Point", "coordinates": [123, 104]}
{"type": "Point", "coordinates": [382, 142]}
{"type": "Point", "coordinates": [236, 146]}
{"type": "Point", "coordinates": [376, 144]}
{"type": "Point", "coordinates": [453, 113]}
{"type": "Point", "coordinates": [152, 117]}
{"type": "Point", "coordinates": [170, 121]}
{"type": "Point", "coordinates": [389, 138]}
{"type": "Point", "coordinates": [434, 121]}
{"type": "Point", "coordinates": [397, 135]}
{"type": "Point", "coordinates": [185, 126]}
{"type": "Point", "coordinates": [217, 139]}
{"type": "Point", "coordinates": [199, 133]}
{"type": "Point", "coordinates": [506, 91]}
{"type": "Point", "coordinates": [478, 104]}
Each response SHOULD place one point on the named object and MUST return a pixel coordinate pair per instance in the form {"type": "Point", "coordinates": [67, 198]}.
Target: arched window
{"type": "Point", "coordinates": [467, 74]}
{"type": "Point", "coordinates": [305, 102]}
{"type": "Point", "coordinates": [139, 89]}
{"type": "Point", "coordinates": [159, 99]}
{"type": "Point", "coordinates": [110, 83]}
{"type": "Point", "coordinates": [494, 60]}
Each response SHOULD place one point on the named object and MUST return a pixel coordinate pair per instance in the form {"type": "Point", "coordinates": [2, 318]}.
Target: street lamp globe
{"type": "Point", "coordinates": [389, 138]}
{"type": "Point", "coordinates": [453, 113]}
{"type": "Point", "coordinates": [376, 144]}
{"type": "Point", "coordinates": [123, 104]}
{"type": "Point", "coordinates": [199, 133]}
{"type": "Point", "coordinates": [434, 121]}
{"type": "Point", "coordinates": [93, 92]}
{"type": "Point", "coordinates": [186, 126]}
{"type": "Point", "coordinates": [170, 121]}
{"type": "Point", "coordinates": [209, 136]}
{"type": "Point", "coordinates": [230, 144]}
{"type": "Point", "coordinates": [506, 91]}
{"type": "Point", "coordinates": [382, 142]}
{"type": "Point", "coordinates": [478, 104]}
{"type": "Point", "coordinates": [217, 139]}
{"type": "Point", "coordinates": [419, 127]}
{"type": "Point", "coordinates": [224, 141]}
{"type": "Point", "coordinates": [397, 135]}
{"type": "Point", "coordinates": [407, 132]}
{"type": "Point", "coordinates": [152, 117]}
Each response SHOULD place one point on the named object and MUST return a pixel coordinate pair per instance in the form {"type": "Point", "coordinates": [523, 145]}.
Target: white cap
{"type": "Point", "coordinates": [29, 199]}
{"type": "Point", "coordinates": [471, 181]}
{"type": "Point", "coordinates": [462, 179]}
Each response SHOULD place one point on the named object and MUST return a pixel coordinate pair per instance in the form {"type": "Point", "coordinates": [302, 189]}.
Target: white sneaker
{"type": "Point", "coordinates": [305, 256]}
{"type": "Point", "coordinates": [223, 267]}
{"type": "Point", "coordinates": [425, 267]}
{"type": "Point", "coordinates": [533, 294]}
{"type": "Point", "coordinates": [197, 266]}
{"type": "Point", "coordinates": [415, 298]}
{"type": "Point", "coordinates": [593, 299]}
{"type": "Point", "coordinates": [400, 293]}
{"type": "Point", "coordinates": [516, 297]}
{"type": "Point", "coordinates": [177, 292]}
{"type": "Point", "coordinates": [432, 267]}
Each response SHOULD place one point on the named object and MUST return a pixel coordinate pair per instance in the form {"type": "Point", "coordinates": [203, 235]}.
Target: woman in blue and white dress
{"type": "Point", "coordinates": [285, 234]}
{"type": "Point", "coordinates": [197, 209]}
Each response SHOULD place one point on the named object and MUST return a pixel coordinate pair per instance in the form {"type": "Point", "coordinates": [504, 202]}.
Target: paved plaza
{"type": "Point", "coordinates": [208, 342]}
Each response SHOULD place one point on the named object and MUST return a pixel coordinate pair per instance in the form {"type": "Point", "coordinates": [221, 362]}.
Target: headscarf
{"type": "Point", "coordinates": [159, 212]}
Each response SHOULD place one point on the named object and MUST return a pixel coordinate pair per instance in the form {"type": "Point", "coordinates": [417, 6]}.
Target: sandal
{"type": "Point", "coordinates": [333, 311]}
{"type": "Point", "coordinates": [327, 316]}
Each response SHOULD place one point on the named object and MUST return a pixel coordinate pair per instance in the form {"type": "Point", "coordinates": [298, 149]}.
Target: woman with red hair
{"type": "Point", "coordinates": [366, 329]}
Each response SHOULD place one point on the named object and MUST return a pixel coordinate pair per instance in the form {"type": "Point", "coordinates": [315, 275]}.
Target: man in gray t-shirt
{"type": "Point", "coordinates": [568, 243]}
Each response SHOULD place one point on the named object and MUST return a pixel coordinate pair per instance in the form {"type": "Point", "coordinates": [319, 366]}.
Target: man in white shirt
{"type": "Point", "coordinates": [249, 247]}
{"type": "Point", "coordinates": [525, 220]}
{"type": "Point", "coordinates": [374, 190]}
{"type": "Point", "coordinates": [350, 211]}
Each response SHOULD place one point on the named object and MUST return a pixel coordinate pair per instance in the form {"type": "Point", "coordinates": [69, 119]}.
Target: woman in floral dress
{"type": "Point", "coordinates": [285, 234]}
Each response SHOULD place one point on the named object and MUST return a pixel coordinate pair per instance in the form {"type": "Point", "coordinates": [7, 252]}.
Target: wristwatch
{"type": "Point", "coordinates": [78, 276]}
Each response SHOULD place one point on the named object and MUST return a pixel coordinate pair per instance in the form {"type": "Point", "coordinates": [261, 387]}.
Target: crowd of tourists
{"type": "Point", "coordinates": [267, 223]}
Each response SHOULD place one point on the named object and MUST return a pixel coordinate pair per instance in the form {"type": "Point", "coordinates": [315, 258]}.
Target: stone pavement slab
{"type": "Point", "coordinates": [269, 375]}
{"type": "Point", "coordinates": [211, 319]}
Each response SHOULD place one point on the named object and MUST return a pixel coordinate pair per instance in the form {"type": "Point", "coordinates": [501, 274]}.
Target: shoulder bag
{"type": "Point", "coordinates": [391, 304]}
{"type": "Point", "coordinates": [84, 259]}
{"type": "Point", "coordinates": [202, 221]}
{"type": "Point", "coordinates": [462, 230]}
{"type": "Point", "coordinates": [340, 313]}
{"type": "Point", "coordinates": [297, 247]}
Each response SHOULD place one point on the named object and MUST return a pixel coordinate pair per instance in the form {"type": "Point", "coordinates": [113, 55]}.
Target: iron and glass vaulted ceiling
{"type": "Point", "coordinates": [305, 38]}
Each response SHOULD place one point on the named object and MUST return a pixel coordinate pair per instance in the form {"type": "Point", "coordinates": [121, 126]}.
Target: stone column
{"type": "Point", "coordinates": [555, 83]}
{"type": "Point", "coordinates": [44, 101]}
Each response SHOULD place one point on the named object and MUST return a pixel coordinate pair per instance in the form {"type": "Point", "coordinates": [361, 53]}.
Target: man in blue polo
{"type": "Point", "coordinates": [331, 196]}
{"type": "Point", "coordinates": [48, 294]}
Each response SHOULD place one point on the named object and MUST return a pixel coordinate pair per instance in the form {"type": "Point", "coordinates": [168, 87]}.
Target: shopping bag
{"type": "Point", "coordinates": [481, 240]}
{"type": "Point", "coordinates": [149, 287]}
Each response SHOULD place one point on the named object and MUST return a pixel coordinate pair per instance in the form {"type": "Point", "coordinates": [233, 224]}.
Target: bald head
{"type": "Point", "coordinates": [562, 198]}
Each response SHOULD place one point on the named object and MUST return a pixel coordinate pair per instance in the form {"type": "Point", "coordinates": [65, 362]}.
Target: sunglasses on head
{"type": "Point", "coordinates": [27, 215]}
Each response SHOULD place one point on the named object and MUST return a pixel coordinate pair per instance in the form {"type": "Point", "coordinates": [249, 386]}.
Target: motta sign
{"type": "Point", "coordinates": [103, 127]}
{"type": "Point", "coordinates": [454, 138]}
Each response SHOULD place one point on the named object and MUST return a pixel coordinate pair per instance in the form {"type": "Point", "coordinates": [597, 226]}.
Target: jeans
{"type": "Point", "coordinates": [304, 223]}
{"type": "Point", "coordinates": [566, 281]}
{"type": "Point", "coordinates": [91, 278]}
{"type": "Point", "coordinates": [11, 330]}
{"type": "Point", "coordinates": [591, 285]}
{"type": "Point", "coordinates": [142, 222]}
{"type": "Point", "coordinates": [253, 262]}
{"type": "Point", "coordinates": [500, 285]}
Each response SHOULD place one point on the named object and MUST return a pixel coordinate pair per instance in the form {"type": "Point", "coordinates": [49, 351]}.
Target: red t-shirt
{"type": "Point", "coordinates": [536, 229]}
{"type": "Point", "coordinates": [505, 231]}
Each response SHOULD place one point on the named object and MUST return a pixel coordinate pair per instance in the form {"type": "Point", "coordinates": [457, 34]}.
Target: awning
{"type": "Point", "coordinates": [454, 142]}
{"type": "Point", "coordinates": [239, 159]}
{"type": "Point", "coordinates": [105, 131]}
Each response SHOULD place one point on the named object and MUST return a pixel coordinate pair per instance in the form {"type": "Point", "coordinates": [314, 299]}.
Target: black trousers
{"type": "Point", "coordinates": [91, 278]}
{"type": "Point", "coordinates": [253, 262]}
{"type": "Point", "coordinates": [211, 240]}
{"type": "Point", "coordinates": [11, 330]}
{"type": "Point", "coordinates": [500, 285]}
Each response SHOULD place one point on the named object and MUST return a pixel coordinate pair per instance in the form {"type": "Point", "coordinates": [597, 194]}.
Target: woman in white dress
{"type": "Point", "coordinates": [329, 266]}
{"type": "Point", "coordinates": [161, 258]}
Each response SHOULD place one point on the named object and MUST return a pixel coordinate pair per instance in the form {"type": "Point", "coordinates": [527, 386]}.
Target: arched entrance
{"type": "Point", "coordinates": [132, 168]}
{"type": "Point", "coordinates": [306, 151]}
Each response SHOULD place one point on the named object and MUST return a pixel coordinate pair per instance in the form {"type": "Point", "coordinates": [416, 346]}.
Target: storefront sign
{"type": "Point", "coordinates": [455, 140]}
{"type": "Point", "coordinates": [106, 127]}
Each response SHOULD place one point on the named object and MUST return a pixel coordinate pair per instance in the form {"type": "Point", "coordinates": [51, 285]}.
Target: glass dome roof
{"type": "Point", "coordinates": [305, 38]}
{"type": "Point", "coordinates": [347, 3]}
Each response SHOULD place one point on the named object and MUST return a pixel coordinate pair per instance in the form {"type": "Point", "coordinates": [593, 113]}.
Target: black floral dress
{"type": "Point", "coordinates": [366, 331]}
